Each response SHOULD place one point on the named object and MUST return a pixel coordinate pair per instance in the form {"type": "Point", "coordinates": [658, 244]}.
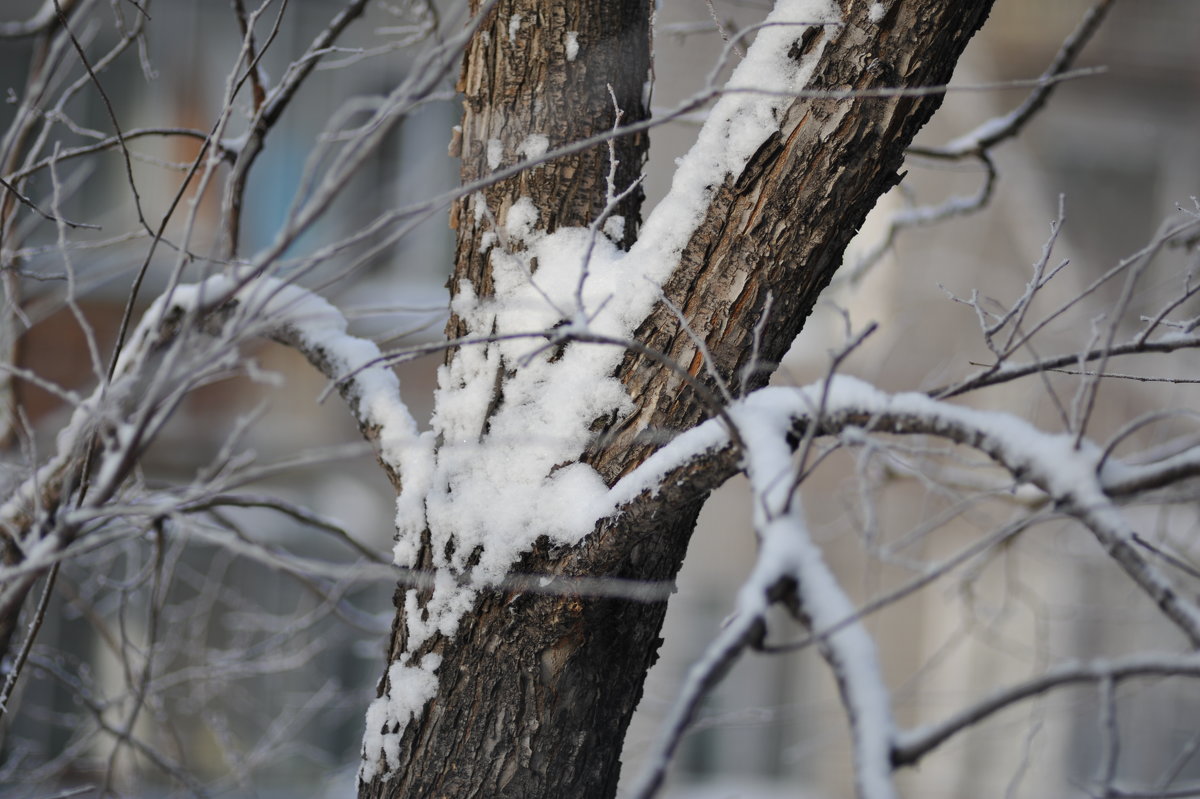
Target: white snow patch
{"type": "Point", "coordinates": [534, 146]}
{"type": "Point", "coordinates": [479, 207]}
{"type": "Point", "coordinates": [614, 227]}
{"type": "Point", "coordinates": [648, 476]}
{"type": "Point", "coordinates": [495, 152]}
{"type": "Point", "coordinates": [571, 42]}
{"type": "Point", "coordinates": [514, 27]}
{"type": "Point", "coordinates": [235, 144]}
{"type": "Point", "coordinates": [875, 13]}
{"type": "Point", "coordinates": [506, 473]}
{"type": "Point", "coordinates": [487, 241]}
{"type": "Point", "coordinates": [409, 688]}
{"type": "Point", "coordinates": [522, 220]}
{"type": "Point", "coordinates": [973, 139]}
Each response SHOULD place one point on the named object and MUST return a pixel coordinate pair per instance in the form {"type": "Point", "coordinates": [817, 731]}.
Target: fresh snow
{"type": "Point", "coordinates": [736, 127]}
{"type": "Point", "coordinates": [317, 326]}
{"type": "Point", "coordinates": [787, 550]}
{"type": "Point", "coordinates": [409, 688]}
{"type": "Point", "coordinates": [487, 493]}
{"type": "Point", "coordinates": [534, 146]}
{"type": "Point", "coordinates": [505, 473]}
{"type": "Point", "coordinates": [495, 153]}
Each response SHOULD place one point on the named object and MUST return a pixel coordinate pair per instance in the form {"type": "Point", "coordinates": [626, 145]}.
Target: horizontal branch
{"type": "Point", "coordinates": [1079, 481]}
{"type": "Point", "coordinates": [1006, 373]}
{"type": "Point", "coordinates": [912, 745]}
{"type": "Point", "coordinates": [112, 141]}
{"type": "Point", "coordinates": [162, 363]}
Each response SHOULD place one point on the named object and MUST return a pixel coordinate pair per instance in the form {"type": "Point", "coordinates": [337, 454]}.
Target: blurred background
{"type": "Point", "coordinates": [1121, 152]}
{"type": "Point", "coordinates": [261, 676]}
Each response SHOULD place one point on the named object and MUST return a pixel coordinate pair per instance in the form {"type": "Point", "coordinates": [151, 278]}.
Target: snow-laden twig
{"type": "Point", "coordinates": [930, 574]}
{"type": "Point", "coordinates": [1070, 476]}
{"type": "Point", "coordinates": [788, 564]}
{"type": "Point", "coordinates": [1008, 126]}
{"type": "Point", "coordinates": [151, 375]}
{"type": "Point", "coordinates": [978, 143]}
{"type": "Point", "coordinates": [746, 626]}
{"type": "Point", "coordinates": [42, 20]}
{"type": "Point", "coordinates": [925, 215]}
{"type": "Point", "coordinates": [788, 552]}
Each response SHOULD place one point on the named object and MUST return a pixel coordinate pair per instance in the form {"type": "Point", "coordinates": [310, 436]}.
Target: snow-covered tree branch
{"type": "Point", "coordinates": [198, 557]}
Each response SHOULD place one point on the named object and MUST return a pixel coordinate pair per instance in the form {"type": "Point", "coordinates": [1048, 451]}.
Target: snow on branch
{"type": "Point", "coordinates": [1082, 481]}
{"type": "Point", "coordinates": [185, 338]}
{"type": "Point", "coordinates": [42, 20]}
{"type": "Point", "coordinates": [271, 308]}
{"type": "Point", "coordinates": [789, 568]}
{"type": "Point", "coordinates": [977, 144]}
{"type": "Point", "coordinates": [511, 418]}
{"type": "Point", "coordinates": [787, 551]}
{"type": "Point", "coordinates": [1075, 478]}
{"type": "Point", "coordinates": [1079, 481]}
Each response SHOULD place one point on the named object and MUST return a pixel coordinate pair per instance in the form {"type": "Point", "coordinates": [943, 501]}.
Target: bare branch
{"type": "Point", "coordinates": [41, 22]}
{"type": "Point", "coordinates": [911, 746]}
{"type": "Point", "coordinates": [978, 143]}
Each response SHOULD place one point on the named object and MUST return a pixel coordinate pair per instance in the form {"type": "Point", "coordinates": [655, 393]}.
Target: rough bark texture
{"type": "Point", "coordinates": [536, 691]}
{"type": "Point", "coordinates": [517, 81]}
{"type": "Point", "coordinates": [781, 227]}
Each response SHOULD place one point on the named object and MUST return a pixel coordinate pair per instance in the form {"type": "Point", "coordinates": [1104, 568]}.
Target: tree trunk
{"type": "Point", "coordinates": [535, 691]}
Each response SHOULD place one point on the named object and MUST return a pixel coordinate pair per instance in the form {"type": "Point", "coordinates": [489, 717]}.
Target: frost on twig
{"type": "Point", "coordinates": [1023, 330]}
{"type": "Point", "coordinates": [182, 340]}
{"type": "Point", "coordinates": [978, 144]}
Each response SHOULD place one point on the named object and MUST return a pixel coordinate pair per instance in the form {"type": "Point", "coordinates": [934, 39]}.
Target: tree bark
{"type": "Point", "coordinates": [556, 72]}
{"type": "Point", "coordinates": [535, 690]}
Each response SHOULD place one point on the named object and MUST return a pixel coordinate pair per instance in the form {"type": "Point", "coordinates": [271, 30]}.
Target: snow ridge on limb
{"type": "Point", "coordinates": [1079, 481]}
{"type": "Point", "coordinates": [150, 371]}
{"type": "Point", "coordinates": [187, 336]}
{"type": "Point", "coordinates": [789, 563]}
{"type": "Point", "coordinates": [788, 553]}
{"type": "Point", "coordinates": [760, 90]}
{"type": "Point", "coordinates": [293, 315]}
